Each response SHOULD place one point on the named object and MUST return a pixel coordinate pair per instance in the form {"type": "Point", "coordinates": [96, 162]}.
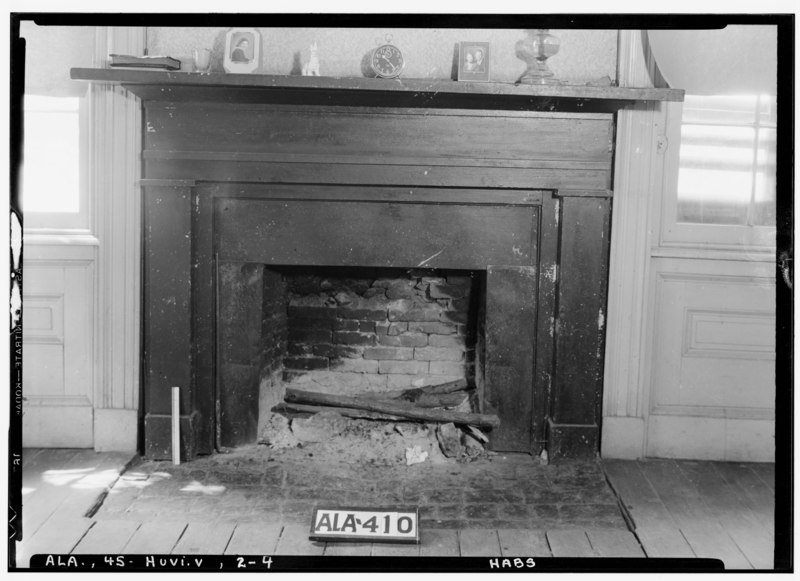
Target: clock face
{"type": "Point", "coordinates": [387, 61]}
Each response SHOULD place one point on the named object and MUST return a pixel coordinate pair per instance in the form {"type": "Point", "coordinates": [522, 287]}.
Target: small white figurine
{"type": "Point", "coordinates": [311, 68]}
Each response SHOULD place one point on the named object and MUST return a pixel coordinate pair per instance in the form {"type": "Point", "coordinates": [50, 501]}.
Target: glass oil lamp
{"type": "Point", "coordinates": [535, 49]}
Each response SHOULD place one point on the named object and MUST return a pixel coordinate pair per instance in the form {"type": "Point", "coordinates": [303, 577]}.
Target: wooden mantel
{"type": "Point", "coordinates": [511, 181]}
{"type": "Point", "coordinates": [185, 86]}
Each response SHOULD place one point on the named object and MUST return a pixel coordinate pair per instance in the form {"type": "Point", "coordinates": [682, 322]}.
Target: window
{"type": "Point", "coordinates": [53, 191]}
{"type": "Point", "coordinates": [727, 161]}
{"type": "Point", "coordinates": [720, 189]}
{"type": "Point", "coordinates": [51, 168]}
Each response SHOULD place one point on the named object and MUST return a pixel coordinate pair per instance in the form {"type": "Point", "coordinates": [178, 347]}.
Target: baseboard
{"type": "Point", "coordinates": [706, 438]}
{"type": "Point", "coordinates": [115, 430]}
{"type": "Point", "coordinates": [622, 438]}
{"type": "Point", "coordinates": [57, 427]}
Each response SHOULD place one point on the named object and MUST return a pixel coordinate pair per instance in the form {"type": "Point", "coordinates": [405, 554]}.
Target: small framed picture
{"type": "Point", "coordinates": [242, 50]}
{"type": "Point", "coordinates": [473, 61]}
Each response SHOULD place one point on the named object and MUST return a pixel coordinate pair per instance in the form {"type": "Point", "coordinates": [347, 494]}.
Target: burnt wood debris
{"type": "Point", "coordinates": [427, 404]}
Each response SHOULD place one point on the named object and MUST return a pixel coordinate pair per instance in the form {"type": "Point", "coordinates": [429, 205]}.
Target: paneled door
{"type": "Point", "coordinates": [712, 286]}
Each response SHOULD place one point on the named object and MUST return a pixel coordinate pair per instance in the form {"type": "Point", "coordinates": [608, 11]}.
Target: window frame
{"type": "Point", "coordinates": [68, 223]}
{"type": "Point", "coordinates": [675, 234]}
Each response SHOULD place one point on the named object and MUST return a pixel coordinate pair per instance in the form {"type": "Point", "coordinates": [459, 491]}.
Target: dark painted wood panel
{"type": "Point", "coordinates": [240, 298]}
{"type": "Point", "coordinates": [166, 283]}
{"type": "Point", "coordinates": [405, 133]}
{"type": "Point", "coordinates": [545, 319]}
{"type": "Point", "coordinates": [211, 170]}
{"type": "Point", "coordinates": [375, 234]}
{"type": "Point", "coordinates": [580, 324]}
{"type": "Point", "coordinates": [333, 158]}
{"type": "Point", "coordinates": [510, 354]}
{"type": "Point", "coordinates": [204, 310]}
{"type": "Point", "coordinates": [372, 193]}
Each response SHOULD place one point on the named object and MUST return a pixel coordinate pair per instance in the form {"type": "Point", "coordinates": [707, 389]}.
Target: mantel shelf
{"type": "Point", "coordinates": [233, 88]}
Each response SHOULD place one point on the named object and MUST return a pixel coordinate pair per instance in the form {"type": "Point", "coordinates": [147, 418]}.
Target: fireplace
{"type": "Point", "coordinates": [491, 202]}
{"type": "Point", "coordinates": [339, 331]}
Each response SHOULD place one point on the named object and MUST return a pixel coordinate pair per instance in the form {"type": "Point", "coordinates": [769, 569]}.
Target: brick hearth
{"type": "Point", "coordinates": [254, 485]}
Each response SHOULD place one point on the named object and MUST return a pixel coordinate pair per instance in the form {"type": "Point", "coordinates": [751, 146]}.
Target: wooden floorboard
{"type": "Point", "coordinates": [614, 543]}
{"type": "Point", "coordinates": [254, 539]}
{"type": "Point", "coordinates": [709, 540]}
{"type": "Point", "coordinates": [46, 484]}
{"type": "Point", "coordinates": [36, 511]}
{"type": "Point", "coordinates": [681, 499]}
{"type": "Point", "coordinates": [570, 543]}
{"type": "Point", "coordinates": [724, 501]}
{"type": "Point", "coordinates": [68, 484]}
{"type": "Point", "coordinates": [664, 542]}
{"type": "Point", "coordinates": [348, 549]}
{"type": "Point", "coordinates": [753, 493]}
{"type": "Point", "coordinates": [154, 537]}
{"type": "Point", "coordinates": [294, 541]}
{"type": "Point", "coordinates": [28, 456]}
{"type": "Point", "coordinates": [640, 500]}
{"type": "Point", "coordinates": [203, 539]}
{"type": "Point", "coordinates": [87, 491]}
{"type": "Point", "coordinates": [107, 537]}
{"type": "Point", "coordinates": [438, 543]}
{"type": "Point", "coordinates": [479, 543]}
{"type": "Point", "coordinates": [395, 550]}
{"type": "Point", "coordinates": [523, 543]}
{"type": "Point", "coordinates": [766, 472]}
{"type": "Point", "coordinates": [52, 459]}
{"type": "Point", "coordinates": [57, 538]}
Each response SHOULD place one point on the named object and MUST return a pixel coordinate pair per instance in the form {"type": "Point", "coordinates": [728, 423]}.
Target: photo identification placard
{"type": "Point", "coordinates": [387, 525]}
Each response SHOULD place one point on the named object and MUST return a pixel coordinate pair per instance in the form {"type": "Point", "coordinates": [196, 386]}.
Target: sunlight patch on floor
{"type": "Point", "coordinates": [207, 489]}
{"type": "Point", "coordinates": [62, 477]}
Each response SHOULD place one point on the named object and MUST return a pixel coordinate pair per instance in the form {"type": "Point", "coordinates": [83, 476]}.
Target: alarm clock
{"type": "Point", "coordinates": [385, 62]}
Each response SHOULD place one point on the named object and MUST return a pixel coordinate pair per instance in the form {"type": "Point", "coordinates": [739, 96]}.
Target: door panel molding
{"type": "Point", "coordinates": [704, 337]}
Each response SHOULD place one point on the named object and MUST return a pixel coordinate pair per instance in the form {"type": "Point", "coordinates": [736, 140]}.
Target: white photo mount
{"type": "Point", "coordinates": [242, 51]}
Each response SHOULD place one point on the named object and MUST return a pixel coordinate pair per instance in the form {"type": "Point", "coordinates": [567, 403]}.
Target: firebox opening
{"type": "Point", "coordinates": [346, 331]}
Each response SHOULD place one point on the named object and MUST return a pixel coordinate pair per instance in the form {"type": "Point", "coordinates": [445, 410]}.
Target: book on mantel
{"type": "Point", "coordinates": [145, 62]}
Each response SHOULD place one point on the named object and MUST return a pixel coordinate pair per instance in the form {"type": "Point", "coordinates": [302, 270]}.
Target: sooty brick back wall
{"type": "Point", "coordinates": [373, 330]}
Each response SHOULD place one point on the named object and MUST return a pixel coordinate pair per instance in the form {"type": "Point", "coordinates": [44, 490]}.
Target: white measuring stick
{"type": "Point", "coordinates": [176, 425]}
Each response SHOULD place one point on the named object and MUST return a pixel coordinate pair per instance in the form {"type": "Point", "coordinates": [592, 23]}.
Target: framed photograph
{"type": "Point", "coordinates": [473, 61]}
{"type": "Point", "coordinates": [242, 50]}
